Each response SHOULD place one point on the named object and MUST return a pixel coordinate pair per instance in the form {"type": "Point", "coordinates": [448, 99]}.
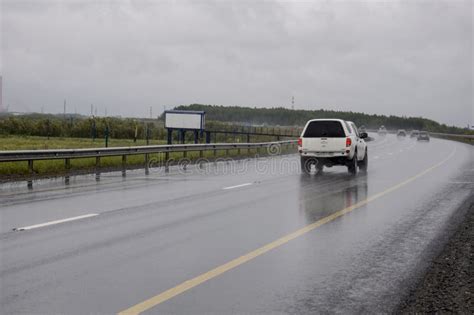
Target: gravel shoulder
{"type": "Point", "coordinates": [447, 286]}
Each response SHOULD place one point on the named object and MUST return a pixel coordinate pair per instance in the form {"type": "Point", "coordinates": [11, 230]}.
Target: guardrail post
{"type": "Point", "coordinates": [167, 158]}
{"type": "Point", "coordinates": [147, 167]}
{"type": "Point", "coordinates": [124, 165]}
{"type": "Point", "coordinates": [30, 172]}
{"type": "Point", "coordinates": [97, 168]}
{"type": "Point", "coordinates": [67, 164]}
{"type": "Point", "coordinates": [185, 155]}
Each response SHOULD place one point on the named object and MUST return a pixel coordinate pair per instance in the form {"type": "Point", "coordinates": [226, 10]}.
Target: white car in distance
{"type": "Point", "coordinates": [330, 142]}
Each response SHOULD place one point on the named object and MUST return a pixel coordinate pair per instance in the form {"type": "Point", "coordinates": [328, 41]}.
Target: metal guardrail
{"type": "Point", "coordinates": [248, 133]}
{"type": "Point", "coordinates": [435, 134]}
{"type": "Point", "coordinates": [67, 154]}
{"type": "Point", "coordinates": [471, 137]}
{"type": "Point", "coordinates": [26, 155]}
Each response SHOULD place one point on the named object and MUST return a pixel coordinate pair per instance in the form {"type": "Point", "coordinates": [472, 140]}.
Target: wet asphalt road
{"type": "Point", "coordinates": [152, 233]}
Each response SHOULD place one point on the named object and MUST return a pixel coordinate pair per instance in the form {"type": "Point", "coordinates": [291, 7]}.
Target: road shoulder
{"type": "Point", "coordinates": [447, 284]}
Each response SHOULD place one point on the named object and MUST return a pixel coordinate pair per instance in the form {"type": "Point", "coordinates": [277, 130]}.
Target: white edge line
{"type": "Point", "coordinates": [25, 228]}
{"type": "Point", "coordinates": [237, 186]}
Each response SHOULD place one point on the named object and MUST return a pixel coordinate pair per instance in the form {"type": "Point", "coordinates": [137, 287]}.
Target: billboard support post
{"type": "Point", "coordinates": [196, 136]}
{"type": "Point", "coordinates": [170, 135]}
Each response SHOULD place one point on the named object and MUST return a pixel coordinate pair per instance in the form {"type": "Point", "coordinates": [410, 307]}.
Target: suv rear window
{"type": "Point", "coordinates": [324, 129]}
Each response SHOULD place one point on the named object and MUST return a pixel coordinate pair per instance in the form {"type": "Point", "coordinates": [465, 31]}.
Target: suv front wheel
{"type": "Point", "coordinates": [365, 162]}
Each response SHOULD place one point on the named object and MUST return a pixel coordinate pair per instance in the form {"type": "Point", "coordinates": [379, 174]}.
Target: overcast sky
{"type": "Point", "coordinates": [409, 58]}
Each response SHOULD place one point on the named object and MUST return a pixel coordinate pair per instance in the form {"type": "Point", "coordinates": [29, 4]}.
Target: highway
{"type": "Point", "coordinates": [243, 237]}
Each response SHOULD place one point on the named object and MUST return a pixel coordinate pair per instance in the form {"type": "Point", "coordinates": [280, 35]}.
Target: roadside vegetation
{"type": "Point", "coordinates": [47, 131]}
{"type": "Point", "coordinates": [288, 117]}
{"type": "Point", "coordinates": [42, 132]}
{"type": "Point", "coordinates": [13, 142]}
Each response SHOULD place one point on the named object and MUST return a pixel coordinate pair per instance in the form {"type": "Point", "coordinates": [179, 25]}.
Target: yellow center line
{"type": "Point", "coordinates": [189, 284]}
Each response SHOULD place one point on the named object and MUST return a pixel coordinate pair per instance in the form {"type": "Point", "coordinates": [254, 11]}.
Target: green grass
{"type": "Point", "coordinates": [13, 170]}
{"type": "Point", "coordinates": [43, 143]}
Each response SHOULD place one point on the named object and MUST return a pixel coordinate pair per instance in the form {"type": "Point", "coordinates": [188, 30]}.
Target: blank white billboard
{"type": "Point", "coordinates": [184, 120]}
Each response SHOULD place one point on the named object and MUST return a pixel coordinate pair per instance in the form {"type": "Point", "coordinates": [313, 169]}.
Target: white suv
{"type": "Point", "coordinates": [329, 142]}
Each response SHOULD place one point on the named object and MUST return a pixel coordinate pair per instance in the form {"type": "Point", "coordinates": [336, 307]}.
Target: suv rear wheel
{"type": "Point", "coordinates": [305, 165]}
{"type": "Point", "coordinates": [352, 166]}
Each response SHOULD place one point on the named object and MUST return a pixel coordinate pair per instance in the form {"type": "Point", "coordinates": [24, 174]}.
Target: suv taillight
{"type": "Point", "coordinates": [348, 142]}
{"type": "Point", "coordinates": [300, 142]}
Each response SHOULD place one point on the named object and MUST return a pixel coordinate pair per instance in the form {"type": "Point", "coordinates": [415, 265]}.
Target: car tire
{"type": "Point", "coordinates": [364, 164]}
{"type": "Point", "coordinates": [352, 167]}
{"type": "Point", "coordinates": [305, 165]}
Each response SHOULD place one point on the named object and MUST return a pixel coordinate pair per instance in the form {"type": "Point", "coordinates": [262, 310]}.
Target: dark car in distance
{"type": "Point", "coordinates": [401, 133]}
{"type": "Point", "coordinates": [423, 136]}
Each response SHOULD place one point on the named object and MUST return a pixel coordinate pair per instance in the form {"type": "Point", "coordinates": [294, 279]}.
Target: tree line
{"type": "Point", "coordinates": [222, 118]}
{"type": "Point", "coordinates": [287, 117]}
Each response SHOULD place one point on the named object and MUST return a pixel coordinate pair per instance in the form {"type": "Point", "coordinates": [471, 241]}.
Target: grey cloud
{"type": "Point", "coordinates": [395, 57]}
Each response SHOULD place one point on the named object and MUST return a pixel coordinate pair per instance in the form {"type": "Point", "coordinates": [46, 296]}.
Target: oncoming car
{"type": "Point", "coordinates": [329, 142]}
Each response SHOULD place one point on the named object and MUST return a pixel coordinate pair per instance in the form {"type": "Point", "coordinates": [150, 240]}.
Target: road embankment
{"type": "Point", "coordinates": [447, 286]}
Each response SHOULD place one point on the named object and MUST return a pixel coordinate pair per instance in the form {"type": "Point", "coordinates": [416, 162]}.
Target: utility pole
{"type": "Point", "coordinates": [65, 108]}
{"type": "Point", "coordinates": [151, 112]}
{"type": "Point", "coordinates": [292, 102]}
